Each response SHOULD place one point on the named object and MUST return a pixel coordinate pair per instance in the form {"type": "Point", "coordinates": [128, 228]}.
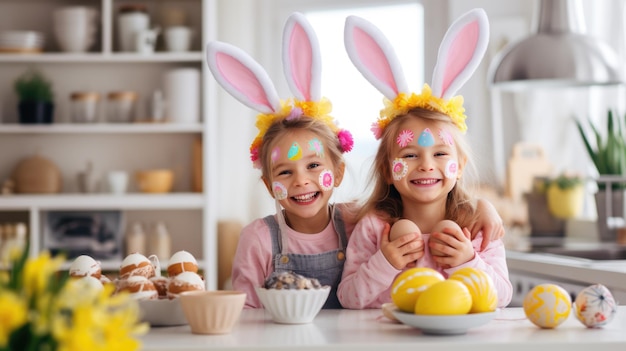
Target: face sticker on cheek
{"type": "Point", "coordinates": [426, 138]}
{"type": "Point", "coordinates": [280, 191]}
{"type": "Point", "coordinates": [275, 154]}
{"type": "Point", "coordinates": [327, 180]}
{"type": "Point", "coordinates": [452, 168]}
{"type": "Point", "coordinates": [404, 138]}
{"type": "Point", "coordinates": [316, 146]}
{"type": "Point", "coordinates": [295, 152]}
{"type": "Point", "coordinates": [399, 168]}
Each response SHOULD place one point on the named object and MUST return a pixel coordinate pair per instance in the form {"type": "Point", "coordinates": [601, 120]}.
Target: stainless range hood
{"type": "Point", "coordinates": [558, 54]}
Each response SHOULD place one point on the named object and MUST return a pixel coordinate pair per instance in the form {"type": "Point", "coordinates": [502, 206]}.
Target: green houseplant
{"type": "Point", "coordinates": [607, 150]}
{"type": "Point", "coordinates": [35, 95]}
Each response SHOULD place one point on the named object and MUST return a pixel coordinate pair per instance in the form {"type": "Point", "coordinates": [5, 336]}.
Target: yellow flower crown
{"type": "Point", "coordinates": [403, 103]}
{"type": "Point", "coordinates": [294, 108]}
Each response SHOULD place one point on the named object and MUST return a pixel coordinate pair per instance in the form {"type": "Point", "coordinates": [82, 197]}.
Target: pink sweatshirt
{"type": "Point", "coordinates": [368, 276]}
{"type": "Point", "coordinates": [253, 259]}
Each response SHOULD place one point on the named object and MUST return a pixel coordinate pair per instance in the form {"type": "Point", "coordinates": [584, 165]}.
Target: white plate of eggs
{"type": "Point", "coordinates": [444, 325]}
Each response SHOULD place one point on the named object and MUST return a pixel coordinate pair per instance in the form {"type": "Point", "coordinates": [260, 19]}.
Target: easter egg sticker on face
{"type": "Point", "coordinates": [295, 152]}
{"type": "Point", "coordinates": [280, 191]}
{"type": "Point", "coordinates": [316, 146]}
{"type": "Point", "coordinates": [326, 180]}
{"type": "Point", "coordinates": [452, 168]}
{"type": "Point", "coordinates": [399, 168]}
{"type": "Point", "coordinates": [426, 138]}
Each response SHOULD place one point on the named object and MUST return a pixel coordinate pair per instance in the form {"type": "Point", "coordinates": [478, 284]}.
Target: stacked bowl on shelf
{"type": "Point", "coordinates": [21, 41]}
{"type": "Point", "coordinates": [75, 28]}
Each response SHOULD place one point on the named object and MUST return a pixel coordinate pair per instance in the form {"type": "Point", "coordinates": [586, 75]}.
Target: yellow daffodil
{"type": "Point", "coordinates": [38, 271]}
{"type": "Point", "coordinates": [63, 315]}
{"type": "Point", "coordinates": [13, 313]}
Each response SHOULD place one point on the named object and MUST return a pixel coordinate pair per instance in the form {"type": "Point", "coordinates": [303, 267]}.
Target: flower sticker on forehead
{"type": "Point", "coordinates": [327, 180]}
{"type": "Point", "coordinates": [275, 154]}
{"type": "Point", "coordinates": [405, 137]}
{"type": "Point", "coordinates": [399, 168]}
{"type": "Point", "coordinates": [316, 146]}
{"type": "Point", "coordinates": [426, 138]}
{"type": "Point", "coordinates": [279, 190]}
{"type": "Point", "coordinates": [446, 137]}
{"type": "Point", "coordinates": [295, 152]}
{"type": "Point", "coordinates": [452, 168]}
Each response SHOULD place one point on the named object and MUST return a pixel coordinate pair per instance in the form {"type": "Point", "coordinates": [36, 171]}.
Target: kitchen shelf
{"type": "Point", "coordinates": [190, 216]}
{"type": "Point", "coordinates": [100, 128]}
{"type": "Point", "coordinates": [158, 57]}
{"type": "Point", "coordinates": [173, 201]}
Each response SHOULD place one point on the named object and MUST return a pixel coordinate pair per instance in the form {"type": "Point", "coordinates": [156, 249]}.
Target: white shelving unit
{"type": "Point", "coordinates": [190, 215]}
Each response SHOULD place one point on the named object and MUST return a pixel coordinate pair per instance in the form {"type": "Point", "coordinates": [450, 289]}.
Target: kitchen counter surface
{"type": "Point", "coordinates": [571, 272]}
{"type": "Point", "coordinates": [368, 330]}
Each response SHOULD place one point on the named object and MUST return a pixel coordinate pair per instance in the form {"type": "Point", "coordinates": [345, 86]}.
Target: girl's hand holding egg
{"type": "Point", "coordinates": [401, 251]}
{"type": "Point", "coordinates": [450, 245]}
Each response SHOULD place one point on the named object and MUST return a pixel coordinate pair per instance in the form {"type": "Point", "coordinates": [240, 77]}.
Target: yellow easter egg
{"type": "Point", "coordinates": [480, 286]}
{"type": "Point", "coordinates": [409, 284]}
{"type": "Point", "coordinates": [547, 305]}
{"type": "Point", "coordinates": [449, 297]}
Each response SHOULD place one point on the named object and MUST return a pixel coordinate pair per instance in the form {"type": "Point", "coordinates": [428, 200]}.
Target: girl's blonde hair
{"type": "Point", "coordinates": [332, 145]}
{"type": "Point", "coordinates": [385, 199]}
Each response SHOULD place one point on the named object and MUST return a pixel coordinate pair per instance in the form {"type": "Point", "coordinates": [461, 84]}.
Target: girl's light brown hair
{"type": "Point", "coordinates": [385, 200]}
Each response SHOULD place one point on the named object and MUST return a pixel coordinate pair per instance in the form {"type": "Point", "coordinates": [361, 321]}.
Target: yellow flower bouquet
{"type": "Point", "coordinates": [42, 310]}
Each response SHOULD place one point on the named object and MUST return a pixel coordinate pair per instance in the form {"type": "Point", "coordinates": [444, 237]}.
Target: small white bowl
{"type": "Point", "coordinates": [162, 312]}
{"type": "Point", "coordinates": [288, 306]}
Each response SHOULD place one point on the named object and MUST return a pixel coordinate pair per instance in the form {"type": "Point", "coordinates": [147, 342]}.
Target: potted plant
{"type": "Point", "coordinates": [35, 97]}
{"type": "Point", "coordinates": [565, 196]}
{"type": "Point", "coordinates": [607, 150]}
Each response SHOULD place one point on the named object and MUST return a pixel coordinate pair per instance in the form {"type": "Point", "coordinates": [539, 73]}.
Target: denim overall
{"type": "Point", "coordinates": [325, 267]}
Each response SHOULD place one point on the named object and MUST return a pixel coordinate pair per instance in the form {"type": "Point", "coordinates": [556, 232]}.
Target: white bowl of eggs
{"type": "Point", "coordinates": [296, 302]}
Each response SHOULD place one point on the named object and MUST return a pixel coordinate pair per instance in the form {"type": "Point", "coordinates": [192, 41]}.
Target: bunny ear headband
{"type": "Point", "coordinates": [459, 55]}
{"type": "Point", "coordinates": [243, 77]}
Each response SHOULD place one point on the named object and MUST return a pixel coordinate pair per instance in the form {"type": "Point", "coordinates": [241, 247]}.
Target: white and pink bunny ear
{"type": "Point", "coordinates": [241, 76]}
{"type": "Point", "coordinates": [302, 62]}
{"type": "Point", "coordinates": [460, 52]}
{"type": "Point", "coordinates": [374, 57]}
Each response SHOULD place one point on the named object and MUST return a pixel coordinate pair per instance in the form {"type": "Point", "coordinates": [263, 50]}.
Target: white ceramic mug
{"type": "Point", "coordinates": [178, 38]}
{"type": "Point", "coordinates": [118, 181]}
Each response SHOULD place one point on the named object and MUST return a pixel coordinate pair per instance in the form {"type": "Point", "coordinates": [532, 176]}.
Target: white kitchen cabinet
{"type": "Point", "coordinates": [190, 215]}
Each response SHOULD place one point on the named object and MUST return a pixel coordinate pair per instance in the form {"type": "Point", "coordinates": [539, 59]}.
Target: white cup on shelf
{"type": "Point", "coordinates": [117, 181]}
{"type": "Point", "coordinates": [178, 38]}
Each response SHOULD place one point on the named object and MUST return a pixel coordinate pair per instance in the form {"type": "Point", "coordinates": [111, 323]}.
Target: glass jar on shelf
{"type": "Point", "coordinates": [121, 106]}
{"type": "Point", "coordinates": [84, 106]}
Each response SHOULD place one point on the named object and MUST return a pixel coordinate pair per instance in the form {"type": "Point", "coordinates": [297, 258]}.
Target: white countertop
{"type": "Point", "coordinates": [368, 330]}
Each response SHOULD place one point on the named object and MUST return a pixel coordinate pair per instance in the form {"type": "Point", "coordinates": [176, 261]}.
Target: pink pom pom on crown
{"type": "Point", "coordinates": [345, 140]}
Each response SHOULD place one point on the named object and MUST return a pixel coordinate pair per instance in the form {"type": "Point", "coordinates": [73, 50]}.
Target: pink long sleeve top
{"type": "Point", "coordinates": [253, 261]}
{"type": "Point", "coordinates": [368, 276]}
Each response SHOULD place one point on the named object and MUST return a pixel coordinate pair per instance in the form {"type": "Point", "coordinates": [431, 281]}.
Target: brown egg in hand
{"type": "Point", "coordinates": [439, 228]}
{"type": "Point", "coordinates": [402, 227]}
